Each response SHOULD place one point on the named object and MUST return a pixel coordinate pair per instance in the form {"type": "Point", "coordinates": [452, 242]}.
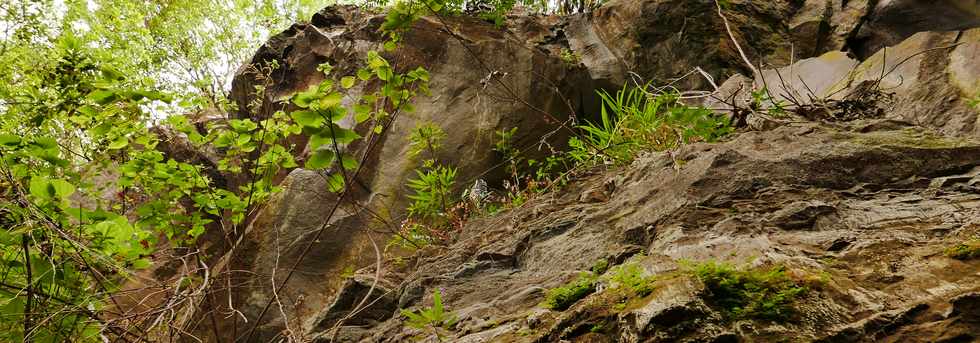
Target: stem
{"type": "Point", "coordinates": [28, 289]}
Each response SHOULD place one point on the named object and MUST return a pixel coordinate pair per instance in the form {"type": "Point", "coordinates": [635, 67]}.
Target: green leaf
{"type": "Point", "coordinates": [118, 143]}
{"type": "Point", "coordinates": [39, 187]}
{"type": "Point", "coordinates": [384, 73]}
{"type": "Point", "coordinates": [347, 82]}
{"type": "Point", "coordinates": [335, 183]}
{"type": "Point", "coordinates": [62, 189]}
{"type": "Point", "coordinates": [308, 118]}
{"type": "Point", "coordinates": [141, 263]}
{"type": "Point", "coordinates": [9, 140]}
{"type": "Point", "coordinates": [50, 189]}
{"type": "Point", "coordinates": [304, 99]}
{"type": "Point", "coordinates": [349, 162]}
{"type": "Point", "coordinates": [390, 46]}
{"type": "Point", "coordinates": [320, 159]}
{"type": "Point", "coordinates": [363, 74]}
{"type": "Point", "coordinates": [343, 136]}
{"type": "Point", "coordinates": [362, 113]}
{"type": "Point", "coordinates": [330, 100]}
{"type": "Point", "coordinates": [103, 96]}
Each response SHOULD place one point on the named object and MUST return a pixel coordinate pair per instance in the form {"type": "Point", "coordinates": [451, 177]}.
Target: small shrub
{"type": "Point", "coordinates": [432, 320]}
{"type": "Point", "coordinates": [433, 191]}
{"type": "Point", "coordinates": [434, 210]}
{"type": "Point", "coordinates": [569, 56]}
{"type": "Point", "coordinates": [630, 278]}
{"type": "Point", "coordinates": [967, 250]}
{"type": "Point", "coordinates": [562, 298]}
{"type": "Point", "coordinates": [750, 294]}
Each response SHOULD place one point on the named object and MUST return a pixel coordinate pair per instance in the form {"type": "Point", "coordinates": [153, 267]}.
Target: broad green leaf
{"type": "Point", "coordinates": [363, 74]}
{"type": "Point", "coordinates": [362, 113]}
{"type": "Point", "coordinates": [343, 136]}
{"type": "Point", "coordinates": [321, 139]}
{"type": "Point", "coordinates": [103, 96]}
{"type": "Point", "coordinates": [118, 143]}
{"type": "Point", "coordinates": [320, 159]}
{"type": "Point", "coordinates": [142, 263]}
{"type": "Point", "coordinates": [384, 73]}
{"type": "Point", "coordinates": [9, 140]}
{"type": "Point", "coordinates": [304, 99]}
{"type": "Point", "coordinates": [39, 187]}
{"type": "Point", "coordinates": [347, 82]}
{"type": "Point", "coordinates": [62, 189]}
{"type": "Point", "coordinates": [330, 100]}
{"type": "Point", "coordinates": [349, 162]}
{"type": "Point", "coordinates": [307, 118]}
{"type": "Point", "coordinates": [336, 113]}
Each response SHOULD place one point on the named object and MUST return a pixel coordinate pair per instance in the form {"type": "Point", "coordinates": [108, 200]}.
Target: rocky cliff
{"type": "Point", "coordinates": [856, 195]}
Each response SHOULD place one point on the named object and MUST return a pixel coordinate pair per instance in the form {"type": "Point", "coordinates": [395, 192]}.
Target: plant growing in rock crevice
{"type": "Point", "coordinates": [434, 320]}
{"type": "Point", "coordinates": [434, 209]}
{"type": "Point", "coordinates": [561, 298]}
{"type": "Point", "coordinates": [967, 250]}
{"type": "Point", "coordinates": [634, 120]}
{"type": "Point", "coordinates": [757, 293]}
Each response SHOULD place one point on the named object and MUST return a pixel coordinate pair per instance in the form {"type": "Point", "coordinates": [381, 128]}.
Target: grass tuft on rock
{"type": "Point", "coordinates": [760, 293]}
{"type": "Point", "coordinates": [967, 250]}
{"type": "Point", "coordinates": [561, 298]}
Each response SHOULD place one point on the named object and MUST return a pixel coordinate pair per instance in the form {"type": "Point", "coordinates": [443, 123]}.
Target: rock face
{"type": "Point", "coordinates": [925, 80]}
{"type": "Point", "coordinates": [865, 191]}
{"type": "Point", "coordinates": [536, 92]}
{"type": "Point", "coordinates": [663, 40]}
{"type": "Point", "coordinates": [872, 210]}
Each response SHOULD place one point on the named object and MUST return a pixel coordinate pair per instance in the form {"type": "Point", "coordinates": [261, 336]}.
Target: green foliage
{"type": "Point", "coordinates": [433, 191]}
{"type": "Point", "coordinates": [766, 294]}
{"type": "Point", "coordinates": [630, 278]}
{"type": "Point", "coordinates": [635, 121]}
{"type": "Point", "coordinates": [762, 100]}
{"type": "Point", "coordinates": [427, 137]}
{"type": "Point", "coordinates": [600, 266]}
{"type": "Point", "coordinates": [561, 298]}
{"type": "Point", "coordinates": [433, 210]}
{"type": "Point", "coordinates": [569, 57]}
{"type": "Point", "coordinates": [85, 191]}
{"type": "Point", "coordinates": [967, 250]}
{"type": "Point", "coordinates": [432, 320]}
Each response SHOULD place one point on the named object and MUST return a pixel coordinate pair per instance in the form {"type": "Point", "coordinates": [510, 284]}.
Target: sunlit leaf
{"type": "Point", "coordinates": [320, 159]}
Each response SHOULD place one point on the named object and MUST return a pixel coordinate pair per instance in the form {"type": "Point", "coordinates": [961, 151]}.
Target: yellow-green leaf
{"type": "Point", "coordinates": [320, 159]}
{"type": "Point", "coordinates": [347, 82]}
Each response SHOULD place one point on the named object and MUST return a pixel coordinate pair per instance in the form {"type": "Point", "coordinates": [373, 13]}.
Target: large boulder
{"type": "Point", "coordinates": [538, 93]}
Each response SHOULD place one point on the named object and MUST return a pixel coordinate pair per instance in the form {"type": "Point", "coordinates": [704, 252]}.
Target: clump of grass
{"type": "Point", "coordinates": [967, 250]}
{"type": "Point", "coordinates": [630, 278]}
{"type": "Point", "coordinates": [562, 298]}
{"type": "Point", "coordinates": [600, 266]}
{"type": "Point", "coordinates": [760, 293]}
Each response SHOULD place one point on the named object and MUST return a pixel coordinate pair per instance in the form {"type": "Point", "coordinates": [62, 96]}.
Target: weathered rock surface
{"type": "Point", "coordinates": [926, 80]}
{"type": "Point", "coordinates": [536, 91]}
{"type": "Point", "coordinates": [664, 40]}
{"type": "Point", "coordinates": [861, 207]}
{"type": "Point", "coordinates": [868, 195]}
